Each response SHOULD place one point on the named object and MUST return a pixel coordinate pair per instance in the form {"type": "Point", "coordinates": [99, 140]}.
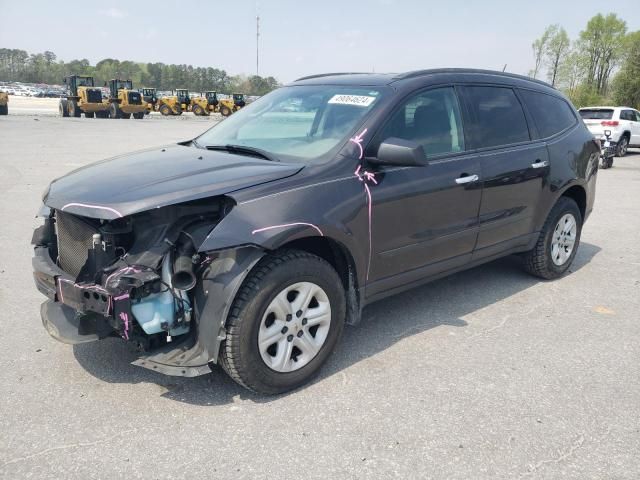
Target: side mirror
{"type": "Point", "coordinates": [399, 152]}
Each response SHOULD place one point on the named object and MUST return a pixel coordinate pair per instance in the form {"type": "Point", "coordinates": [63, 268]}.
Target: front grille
{"type": "Point", "coordinates": [134, 98]}
{"type": "Point", "coordinates": [94, 96]}
{"type": "Point", "coordinates": [75, 239]}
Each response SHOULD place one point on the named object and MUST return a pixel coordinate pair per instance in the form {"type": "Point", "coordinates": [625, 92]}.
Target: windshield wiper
{"type": "Point", "coordinates": [244, 150]}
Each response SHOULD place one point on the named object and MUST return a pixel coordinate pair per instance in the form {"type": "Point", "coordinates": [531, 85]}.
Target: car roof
{"type": "Point", "coordinates": [602, 107]}
{"type": "Point", "coordinates": [381, 79]}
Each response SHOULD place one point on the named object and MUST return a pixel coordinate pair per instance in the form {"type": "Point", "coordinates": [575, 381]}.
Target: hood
{"type": "Point", "coordinates": [158, 177]}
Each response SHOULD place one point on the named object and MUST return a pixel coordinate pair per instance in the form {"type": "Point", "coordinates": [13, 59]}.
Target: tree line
{"type": "Point", "coordinates": [20, 66]}
{"type": "Point", "coordinates": [601, 66]}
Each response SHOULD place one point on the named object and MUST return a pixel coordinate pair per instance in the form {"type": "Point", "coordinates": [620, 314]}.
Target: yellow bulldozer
{"type": "Point", "coordinates": [4, 100]}
{"type": "Point", "coordinates": [83, 97]}
{"type": "Point", "coordinates": [124, 101]}
{"type": "Point", "coordinates": [174, 104]}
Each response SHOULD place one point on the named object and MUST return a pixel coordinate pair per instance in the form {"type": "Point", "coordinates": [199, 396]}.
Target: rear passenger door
{"type": "Point", "coordinates": [515, 169]}
{"type": "Point", "coordinates": [635, 128]}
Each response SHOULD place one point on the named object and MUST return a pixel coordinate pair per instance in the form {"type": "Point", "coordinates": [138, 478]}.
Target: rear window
{"type": "Point", "coordinates": [499, 118]}
{"type": "Point", "coordinates": [551, 114]}
{"type": "Point", "coordinates": [596, 113]}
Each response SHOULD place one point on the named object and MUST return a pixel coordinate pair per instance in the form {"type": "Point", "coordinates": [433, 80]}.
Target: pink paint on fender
{"type": "Point", "coordinates": [92, 206]}
{"type": "Point", "coordinates": [288, 225]}
{"type": "Point", "coordinates": [365, 177]}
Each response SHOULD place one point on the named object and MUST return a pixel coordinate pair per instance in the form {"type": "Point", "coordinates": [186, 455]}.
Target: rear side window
{"type": "Point", "coordinates": [628, 115]}
{"type": "Point", "coordinates": [499, 118]}
{"type": "Point", "coordinates": [551, 114]}
{"type": "Point", "coordinates": [596, 113]}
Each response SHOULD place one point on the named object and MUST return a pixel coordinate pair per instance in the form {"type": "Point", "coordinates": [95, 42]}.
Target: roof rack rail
{"type": "Point", "coordinates": [320, 75]}
{"type": "Point", "coordinates": [419, 73]}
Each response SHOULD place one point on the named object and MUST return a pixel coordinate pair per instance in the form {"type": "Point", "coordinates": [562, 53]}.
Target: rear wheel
{"type": "Point", "coordinates": [165, 110]}
{"type": "Point", "coordinates": [89, 114]}
{"type": "Point", "coordinates": [558, 241]}
{"type": "Point", "coordinates": [623, 146]}
{"type": "Point", "coordinates": [284, 322]}
{"type": "Point", "coordinates": [4, 109]}
{"type": "Point", "coordinates": [198, 110]}
{"type": "Point", "coordinates": [63, 108]}
{"type": "Point", "coordinates": [225, 111]}
{"type": "Point", "coordinates": [139, 115]}
{"type": "Point", "coordinates": [126, 115]}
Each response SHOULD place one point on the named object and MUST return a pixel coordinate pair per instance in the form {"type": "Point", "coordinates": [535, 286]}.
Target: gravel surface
{"type": "Point", "coordinates": [489, 373]}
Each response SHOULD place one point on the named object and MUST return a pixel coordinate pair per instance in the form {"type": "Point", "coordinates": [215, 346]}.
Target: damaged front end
{"type": "Point", "coordinates": [142, 278]}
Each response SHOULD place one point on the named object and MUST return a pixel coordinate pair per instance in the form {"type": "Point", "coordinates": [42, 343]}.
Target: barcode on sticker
{"type": "Point", "coordinates": [358, 100]}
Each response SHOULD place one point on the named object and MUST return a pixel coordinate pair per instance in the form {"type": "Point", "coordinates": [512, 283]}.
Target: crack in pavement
{"type": "Point", "coordinates": [64, 447]}
{"type": "Point", "coordinates": [563, 456]}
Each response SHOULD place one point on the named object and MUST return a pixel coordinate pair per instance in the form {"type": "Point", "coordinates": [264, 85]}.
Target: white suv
{"type": "Point", "coordinates": [623, 122]}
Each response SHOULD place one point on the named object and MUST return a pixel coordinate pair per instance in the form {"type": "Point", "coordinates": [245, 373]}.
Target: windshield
{"type": "Point", "coordinates": [298, 123]}
{"type": "Point", "coordinates": [596, 113]}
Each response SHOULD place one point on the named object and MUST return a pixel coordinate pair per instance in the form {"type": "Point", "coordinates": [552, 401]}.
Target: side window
{"type": "Point", "coordinates": [499, 118]}
{"type": "Point", "coordinates": [551, 114]}
{"type": "Point", "coordinates": [637, 116]}
{"type": "Point", "coordinates": [627, 115]}
{"type": "Point", "coordinates": [431, 118]}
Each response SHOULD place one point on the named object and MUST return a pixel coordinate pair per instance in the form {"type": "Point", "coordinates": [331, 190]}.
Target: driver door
{"type": "Point", "coordinates": [425, 219]}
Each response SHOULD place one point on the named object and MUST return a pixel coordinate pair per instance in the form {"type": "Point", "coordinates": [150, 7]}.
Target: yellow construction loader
{"type": "Point", "coordinates": [4, 100]}
{"type": "Point", "coordinates": [206, 103]}
{"type": "Point", "coordinates": [175, 104]}
{"type": "Point", "coordinates": [83, 97]}
{"type": "Point", "coordinates": [229, 105]}
{"type": "Point", "coordinates": [124, 101]}
{"type": "Point", "coordinates": [149, 97]}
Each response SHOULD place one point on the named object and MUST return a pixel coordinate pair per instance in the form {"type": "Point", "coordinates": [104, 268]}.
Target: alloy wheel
{"type": "Point", "coordinates": [294, 327]}
{"type": "Point", "coordinates": [563, 239]}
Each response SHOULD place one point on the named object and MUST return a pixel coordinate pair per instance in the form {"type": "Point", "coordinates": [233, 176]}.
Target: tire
{"type": "Point", "coordinates": [623, 146]}
{"type": "Point", "coordinates": [197, 110]}
{"type": "Point", "coordinates": [4, 109]}
{"type": "Point", "coordinates": [540, 260]}
{"type": "Point", "coordinates": [89, 114]}
{"type": "Point", "coordinates": [165, 110]}
{"type": "Point", "coordinates": [114, 111]}
{"type": "Point", "coordinates": [63, 108]}
{"type": "Point", "coordinates": [225, 111]}
{"type": "Point", "coordinates": [139, 115]}
{"type": "Point", "coordinates": [102, 114]}
{"type": "Point", "coordinates": [125, 115]}
{"type": "Point", "coordinates": [74, 110]}
{"type": "Point", "coordinates": [279, 274]}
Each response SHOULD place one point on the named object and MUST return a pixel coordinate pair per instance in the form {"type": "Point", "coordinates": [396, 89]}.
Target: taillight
{"type": "Point", "coordinates": [610, 123]}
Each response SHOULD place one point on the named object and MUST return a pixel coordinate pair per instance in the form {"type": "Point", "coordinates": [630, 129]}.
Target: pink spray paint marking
{"type": "Point", "coordinates": [125, 319]}
{"type": "Point", "coordinates": [358, 139]}
{"type": "Point", "coordinates": [288, 225]}
{"type": "Point", "coordinates": [365, 177]}
{"type": "Point", "coordinates": [112, 210]}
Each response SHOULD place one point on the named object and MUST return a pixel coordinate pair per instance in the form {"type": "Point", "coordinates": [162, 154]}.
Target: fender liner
{"type": "Point", "coordinates": [214, 294]}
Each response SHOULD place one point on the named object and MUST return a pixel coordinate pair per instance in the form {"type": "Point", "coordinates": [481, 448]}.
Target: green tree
{"type": "Point", "coordinates": [539, 47]}
{"type": "Point", "coordinates": [557, 48]}
{"type": "Point", "coordinates": [626, 84]}
{"type": "Point", "coordinates": [601, 45]}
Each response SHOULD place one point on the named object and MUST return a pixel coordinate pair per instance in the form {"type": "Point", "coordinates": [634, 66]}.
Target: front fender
{"type": "Point", "coordinates": [335, 209]}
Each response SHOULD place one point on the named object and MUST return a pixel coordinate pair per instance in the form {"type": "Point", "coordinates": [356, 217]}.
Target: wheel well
{"type": "Point", "coordinates": [578, 195]}
{"type": "Point", "coordinates": [333, 252]}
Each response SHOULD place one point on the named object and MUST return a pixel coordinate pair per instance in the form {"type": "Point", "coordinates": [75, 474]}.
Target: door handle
{"type": "Point", "coordinates": [467, 179]}
{"type": "Point", "coordinates": [540, 164]}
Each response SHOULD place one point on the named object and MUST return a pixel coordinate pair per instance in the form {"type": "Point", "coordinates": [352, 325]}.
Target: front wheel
{"type": "Point", "coordinates": [284, 322]}
{"type": "Point", "coordinates": [114, 111]}
{"type": "Point", "coordinates": [558, 241]}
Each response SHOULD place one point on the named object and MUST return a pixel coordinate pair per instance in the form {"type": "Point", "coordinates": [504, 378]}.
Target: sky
{"type": "Point", "coordinates": [300, 37]}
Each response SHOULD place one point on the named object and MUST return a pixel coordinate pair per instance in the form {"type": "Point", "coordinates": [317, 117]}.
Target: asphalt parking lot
{"type": "Point", "coordinates": [489, 373]}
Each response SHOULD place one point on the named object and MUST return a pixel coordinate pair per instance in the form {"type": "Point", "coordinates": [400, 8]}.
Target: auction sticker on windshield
{"type": "Point", "coordinates": [358, 100]}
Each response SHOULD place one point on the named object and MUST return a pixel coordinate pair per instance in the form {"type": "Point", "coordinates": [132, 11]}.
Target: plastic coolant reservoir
{"type": "Point", "coordinates": [157, 309]}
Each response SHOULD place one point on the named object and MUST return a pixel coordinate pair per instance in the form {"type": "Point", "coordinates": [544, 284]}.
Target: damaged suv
{"type": "Point", "coordinates": [252, 245]}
